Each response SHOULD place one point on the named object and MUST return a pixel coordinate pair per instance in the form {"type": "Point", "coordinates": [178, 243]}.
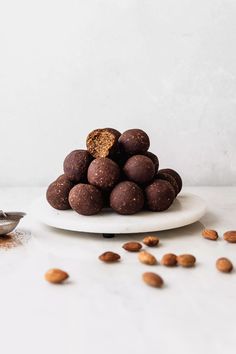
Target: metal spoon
{"type": "Point", "coordinates": [9, 221]}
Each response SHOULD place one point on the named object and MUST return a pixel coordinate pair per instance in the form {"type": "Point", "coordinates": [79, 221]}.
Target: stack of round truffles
{"type": "Point", "coordinates": [115, 171]}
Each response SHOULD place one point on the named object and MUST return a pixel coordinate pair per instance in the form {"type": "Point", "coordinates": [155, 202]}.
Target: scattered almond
{"type": "Point", "coordinates": [56, 276]}
{"type": "Point", "coordinates": [132, 246]}
{"type": "Point", "coordinates": [186, 260]}
{"type": "Point", "coordinates": [169, 260]}
{"type": "Point", "coordinates": [230, 236]}
{"type": "Point", "coordinates": [109, 257]}
{"type": "Point", "coordinates": [151, 241]}
{"type": "Point", "coordinates": [153, 279]}
{"type": "Point", "coordinates": [210, 234]}
{"type": "Point", "coordinates": [224, 265]}
{"type": "Point", "coordinates": [147, 258]}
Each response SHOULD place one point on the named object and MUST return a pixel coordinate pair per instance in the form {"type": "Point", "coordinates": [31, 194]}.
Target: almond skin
{"type": "Point", "coordinates": [147, 258]}
{"type": "Point", "coordinates": [56, 276]}
{"type": "Point", "coordinates": [210, 234]}
{"type": "Point", "coordinates": [169, 260]}
{"type": "Point", "coordinates": [153, 279]}
{"type": "Point", "coordinates": [151, 241]}
{"type": "Point", "coordinates": [132, 246]}
{"type": "Point", "coordinates": [186, 260]}
{"type": "Point", "coordinates": [109, 257]}
{"type": "Point", "coordinates": [224, 265]}
{"type": "Point", "coordinates": [230, 236]}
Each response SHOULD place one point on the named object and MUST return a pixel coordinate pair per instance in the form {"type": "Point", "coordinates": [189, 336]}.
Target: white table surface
{"type": "Point", "coordinates": [107, 308]}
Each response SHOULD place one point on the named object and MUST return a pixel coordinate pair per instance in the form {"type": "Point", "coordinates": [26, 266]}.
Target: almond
{"type": "Point", "coordinates": [186, 260]}
{"type": "Point", "coordinates": [151, 241]}
{"type": "Point", "coordinates": [210, 234]}
{"type": "Point", "coordinates": [132, 246]}
{"type": "Point", "coordinates": [153, 279]}
{"type": "Point", "coordinates": [230, 236]}
{"type": "Point", "coordinates": [169, 260]}
{"type": "Point", "coordinates": [224, 265]}
{"type": "Point", "coordinates": [56, 276]}
{"type": "Point", "coordinates": [109, 257]}
{"type": "Point", "coordinates": [147, 258]}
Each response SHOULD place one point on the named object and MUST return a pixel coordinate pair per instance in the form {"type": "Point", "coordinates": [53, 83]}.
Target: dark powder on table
{"type": "Point", "coordinates": [13, 239]}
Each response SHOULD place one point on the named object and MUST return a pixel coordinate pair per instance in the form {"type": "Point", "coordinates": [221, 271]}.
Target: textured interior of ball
{"type": "Point", "coordinates": [100, 143]}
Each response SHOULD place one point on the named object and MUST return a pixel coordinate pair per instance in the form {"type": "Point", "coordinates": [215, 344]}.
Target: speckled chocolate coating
{"type": "Point", "coordinates": [76, 165]}
{"type": "Point", "coordinates": [58, 193]}
{"type": "Point", "coordinates": [139, 169]}
{"type": "Point", "coordinates": [127, 198]}
{"type": "Point", "coordinates": [103, 142]}
{"type": "Point", "coordinates": [114, 131]}
{"type": "Point", "coordinates": [169, 178]}
{"type": "Point", "coordinates": [63, 178]}
{"type": "Point", "coordinates": [134, 141]}
{"type": "Point", "coordinates": [85, 199]}
{"type": "Point", "coordinates": [174, 174]}
{"type": "Point", "coordinates": [154, 159]}
{"type": "Point", "coordinates": [103, 173]}
{"type": "Point", "coordinates": [159, 195]}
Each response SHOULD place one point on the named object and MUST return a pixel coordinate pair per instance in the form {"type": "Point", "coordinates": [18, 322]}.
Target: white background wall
{"type": "Point", "coordinates": [168, 67]}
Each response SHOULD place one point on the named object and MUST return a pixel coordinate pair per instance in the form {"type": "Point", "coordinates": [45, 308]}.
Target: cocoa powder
{"type": "Point", "coordinates": [13, 239]}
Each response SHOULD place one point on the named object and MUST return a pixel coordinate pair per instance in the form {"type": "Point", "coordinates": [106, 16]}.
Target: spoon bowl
{"type": "Point", "coordinates": [9, 221]}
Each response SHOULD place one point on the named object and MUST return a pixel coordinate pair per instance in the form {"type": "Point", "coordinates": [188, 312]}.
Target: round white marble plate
{"type": "Point", "coordinates": [186, 209]}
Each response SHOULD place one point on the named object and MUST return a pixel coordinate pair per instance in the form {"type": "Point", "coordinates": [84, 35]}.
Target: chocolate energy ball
{"type": "Point", "coordinates": [114, 131]}
{"type": "Point", "coordinates": [103, 173]}
{"type": "Point", "coordinates": [169, 178]}
{"type": "Point", "coordinates": [174, 174]}
{"type": "Point", "coordinates": [139, 169]}
{"type": "Point", "coordinates": [159, 195]}
{"type": "Point", "coordinates": [63, 178]}
{"type": "Point", "coordinates": [154, 159]}
{"type": "Point", "coordinates": [58, 193]}
{"type": "Point", "coordinates": [103, 142]}
{"type": "Point", "coordinates": [134, 141]}
{"type": "Point", "coordinates": [85, 199]}
{"type": "Point", "coordinates": [76, 165]}
{"type": "Point", "coordinates": [127, 198]}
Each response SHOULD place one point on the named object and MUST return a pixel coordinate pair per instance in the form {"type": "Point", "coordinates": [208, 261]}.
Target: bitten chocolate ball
{"type": "Point", "coordinates": [134, 141]}
{"type": "Point", "coordinates": [85, 199]}
{"type": "Point", "coordinates": [103, 142]}
{"type": "Point", "coordinates": [58, 193]}
{"type": "Point", "coordinates": [127, 198]}
{"type": "Point", "coordinates": [154, 159]}
{"type": "Point", "coordinates": [103, 173]}
{"type": "Point", "coordinates": [170, 179]}
{"type": "Point", "coordinates": [139, 169]}
{"type": "Point", "coordinates": [76, 165]}
{"type": "Point", "coordinates": [174, 174]}
{"type": "Point", "coordinates": [114, 131]}
{"type": "Point", "coordinates": [159, 195]}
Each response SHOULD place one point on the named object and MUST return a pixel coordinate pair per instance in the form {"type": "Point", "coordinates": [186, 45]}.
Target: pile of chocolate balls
{"type": "Point", "coordinates": [116, 171]}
